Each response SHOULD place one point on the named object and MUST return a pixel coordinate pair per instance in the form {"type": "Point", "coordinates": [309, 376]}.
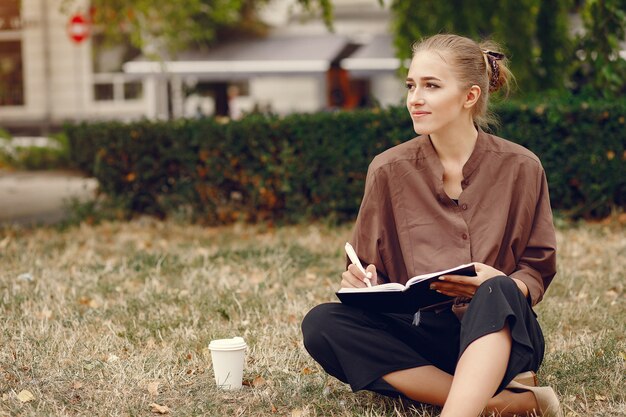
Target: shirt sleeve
{"type": "Point", "coordinates": [537, 265]}
{"type": "Point", "coordinates": [367, 236]}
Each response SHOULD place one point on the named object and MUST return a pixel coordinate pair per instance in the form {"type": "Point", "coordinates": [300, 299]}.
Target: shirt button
{"type": "Point", "coordinates": [464, 206]}
{"type": "Point", "coordinates": [464, 236]}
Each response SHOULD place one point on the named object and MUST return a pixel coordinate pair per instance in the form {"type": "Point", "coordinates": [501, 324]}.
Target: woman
{"type": "Point", "coordinates": [451, 196]}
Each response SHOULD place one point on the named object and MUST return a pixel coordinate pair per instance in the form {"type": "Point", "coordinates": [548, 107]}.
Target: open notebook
{"type": "Point", "coordinates": [397, 298]}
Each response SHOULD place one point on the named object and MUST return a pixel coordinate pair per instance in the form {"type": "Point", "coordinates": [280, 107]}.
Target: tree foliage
{"type": "Point", "coordinates": [164, 27]}
{"type": "Point", "coordinates": [600, 70]}
{"type": "Point", "coordinates": [533, 31]}
{"type": "Point", "coordinates": [536, 33]}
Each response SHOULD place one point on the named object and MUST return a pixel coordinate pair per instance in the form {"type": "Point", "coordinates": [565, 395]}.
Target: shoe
{"type": "Point", "coordinates": [547, 400]}
{"type": "Point", "coordinates": [528, 378]}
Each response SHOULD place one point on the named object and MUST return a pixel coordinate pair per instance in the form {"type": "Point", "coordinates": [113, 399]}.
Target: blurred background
{"type": "Point", "coordinates": [139, 97]}
{"type": "Point", "coordinates": [125, 60]}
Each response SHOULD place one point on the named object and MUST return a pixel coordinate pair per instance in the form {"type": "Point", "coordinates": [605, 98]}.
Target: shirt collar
{"type": "Point", "coordinates": [430, 155]}
{"type": "Point", "coordinates": [477, 154]}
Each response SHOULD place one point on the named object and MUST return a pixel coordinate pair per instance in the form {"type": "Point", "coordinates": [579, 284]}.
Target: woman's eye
{"type": "Point", "coordinates": [430, 85]}
{"type": "Point", "coordinates": [409, 86]}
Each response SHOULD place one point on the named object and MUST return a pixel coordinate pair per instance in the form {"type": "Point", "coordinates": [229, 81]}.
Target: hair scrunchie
{"type": "Point", "coordinates": [492, 57]}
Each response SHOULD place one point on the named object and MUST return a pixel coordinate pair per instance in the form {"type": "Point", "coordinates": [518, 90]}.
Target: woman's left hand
{"type": "Point", "coordinates": [462, 286]}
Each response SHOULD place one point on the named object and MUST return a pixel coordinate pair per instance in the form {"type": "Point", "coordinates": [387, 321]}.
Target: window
{"type": "Point", "coordinates": [10, 15]}
{"type": "Point", "coordinates": [11, 72]}
{"type": "Point", "coordinates": [11, 82]}
{"type": "Point", "coordinates": [103, 92]}
{"type": "Point", "coordinates": [133, 90]}
{"type": "Point", "coordinates": [108, 57]}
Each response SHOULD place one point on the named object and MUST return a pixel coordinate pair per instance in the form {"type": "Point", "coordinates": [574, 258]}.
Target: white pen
{"type": "Point", "coordinates": [355, 260]}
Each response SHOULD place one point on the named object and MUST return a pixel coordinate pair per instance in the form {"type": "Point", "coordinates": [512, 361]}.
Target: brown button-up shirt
{"type": "Point", "coordinates": [407, 225]}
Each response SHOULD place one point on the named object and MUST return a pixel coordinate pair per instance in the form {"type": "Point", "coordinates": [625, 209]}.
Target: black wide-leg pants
{"type": "Point", "coordinates": [359, 347]}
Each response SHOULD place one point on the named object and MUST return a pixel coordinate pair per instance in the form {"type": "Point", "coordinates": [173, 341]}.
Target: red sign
{"type": "Point", "coordinates": [78, 28]}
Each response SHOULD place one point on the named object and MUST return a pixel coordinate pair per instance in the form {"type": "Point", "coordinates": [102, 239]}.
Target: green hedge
{"type": "Point", "coordinates": [311, 166]}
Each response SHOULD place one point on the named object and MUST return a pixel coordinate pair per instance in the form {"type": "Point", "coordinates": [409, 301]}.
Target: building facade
{"type": "Point", "coordinates": [55, 68]}
{"type": "Point", "coordinates": [46, 78]}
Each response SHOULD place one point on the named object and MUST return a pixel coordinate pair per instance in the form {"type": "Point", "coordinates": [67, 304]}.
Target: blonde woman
{"type": "Point", "coordinates": [453, 195]}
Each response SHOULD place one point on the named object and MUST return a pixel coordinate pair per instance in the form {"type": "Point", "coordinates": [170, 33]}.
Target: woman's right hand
{"type": "Point", "coordinates": [354, 278]}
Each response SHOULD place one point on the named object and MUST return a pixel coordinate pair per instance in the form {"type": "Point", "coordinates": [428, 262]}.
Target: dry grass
{"type": "Point", "coordinates": [118, 317]}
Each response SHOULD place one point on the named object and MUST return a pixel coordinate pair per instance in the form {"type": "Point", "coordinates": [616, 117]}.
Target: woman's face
{"type": "Point", "coordinates": [434, 98]}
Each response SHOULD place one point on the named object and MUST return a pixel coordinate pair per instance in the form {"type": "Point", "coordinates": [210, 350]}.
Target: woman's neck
{"type": "Point", "coordinates": [456, 143]}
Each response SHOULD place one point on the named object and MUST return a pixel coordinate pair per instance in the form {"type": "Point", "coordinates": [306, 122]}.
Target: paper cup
{"type": "Point", "coordinates": [228, 356]}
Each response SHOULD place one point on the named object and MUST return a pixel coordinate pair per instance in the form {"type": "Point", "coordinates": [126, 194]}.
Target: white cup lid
{"type": "Point", "coordinates": [235, 343]}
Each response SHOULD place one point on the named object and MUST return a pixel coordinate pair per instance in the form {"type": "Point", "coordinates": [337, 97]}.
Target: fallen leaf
{"type": "Point", "coordinates": [161, 409]}
{"type": "Point", "coordinates": [600, 397]}
{"type": "Point", "coordinates": [89, 302]}
{"type": "Point", "coordinates": [153, 388]}
{"type": "Point", "coordinates": [306, 371]}
{"type": "Point", "coordinates": [112, 358]}
{"type": "Point", "coordinates": [4, 243]}
{"type": "Point", "coordinates": [25, 396]}
{"type": "Point", "coordinates": [300, 412]}
{"type": "Point", "coordinates": [274, 409]}
{"type": "Point", "coordinates": [258, 381]}
{"type": "Point", "coordinates": [77, 385]}
{"type": "Point", "coordinates": [44, 314]}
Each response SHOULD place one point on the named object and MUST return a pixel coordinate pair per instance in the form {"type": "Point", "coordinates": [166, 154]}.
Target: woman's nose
{"type": "Point", "coordinates": [415, 97]}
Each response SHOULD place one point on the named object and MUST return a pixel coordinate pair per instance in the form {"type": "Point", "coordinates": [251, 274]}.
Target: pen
{"type": "Point", "coordinates": [355, 260]}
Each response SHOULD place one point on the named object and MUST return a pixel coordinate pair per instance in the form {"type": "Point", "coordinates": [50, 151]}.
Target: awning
{"type": "Point", "coordinates": [376, 56]}
{"type": "Point", "coordinates": [295, 55]}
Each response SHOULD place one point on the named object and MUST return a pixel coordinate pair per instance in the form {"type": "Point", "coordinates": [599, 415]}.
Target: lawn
{"type": "Point", "coordinates": [115, 319]}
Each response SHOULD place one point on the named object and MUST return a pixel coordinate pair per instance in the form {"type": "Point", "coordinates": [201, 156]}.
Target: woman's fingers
{"type": "Point", "coordinates": [371, 274]}
{"type": "Point", "coordinates": [353, 277]}
{"type": "Point", "coordinates": [462, 286]}
{"type": "Point", "coordinates": [485, 272]}
{"type": "Point", "coordinates": [454, 289]}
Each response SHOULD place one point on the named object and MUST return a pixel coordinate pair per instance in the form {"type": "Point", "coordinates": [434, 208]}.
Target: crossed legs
{"type": "Point", "coordinates": [357, 346]}
{"type": "Point", "coordinates": [477, 377]}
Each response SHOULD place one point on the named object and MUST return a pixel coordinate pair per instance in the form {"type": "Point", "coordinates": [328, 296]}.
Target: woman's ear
{"type": "Point", "coordinates": [472, 96]}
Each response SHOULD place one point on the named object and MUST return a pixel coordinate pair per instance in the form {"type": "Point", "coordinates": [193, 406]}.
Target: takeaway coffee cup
{"type": "Point", "coordinates": [228, 356]}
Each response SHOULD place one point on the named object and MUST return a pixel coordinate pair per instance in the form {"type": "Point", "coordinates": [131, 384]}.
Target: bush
{"type": "Point", "coordinates": [582, 147]}
{"type": "Point", "coordinates": [51, 153]}
{"type": "Point", "coordinates": [310, 166]}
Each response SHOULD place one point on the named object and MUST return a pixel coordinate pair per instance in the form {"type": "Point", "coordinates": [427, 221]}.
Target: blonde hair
{"type": "Point", "coordinates": [482, 64]}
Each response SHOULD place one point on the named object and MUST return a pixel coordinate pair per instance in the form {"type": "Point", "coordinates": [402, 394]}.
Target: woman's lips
{"type": "Point", "coordinates": [419, 113]}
